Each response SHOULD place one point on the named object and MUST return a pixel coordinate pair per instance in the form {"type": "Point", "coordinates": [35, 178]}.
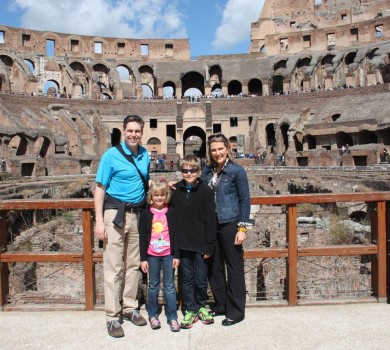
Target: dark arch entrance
{"type": "Point", "coordinates": [343, 139]}
{"type": "Point", "coordinates": [116, 137]}
{"type": "Point", "coordinates": [194, 142]}
{"type": "Point", "coordinates": [271, 137]}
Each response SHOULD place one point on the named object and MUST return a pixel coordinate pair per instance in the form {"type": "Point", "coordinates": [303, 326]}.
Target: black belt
{"type": "Point", "coordinates": [122, 207]}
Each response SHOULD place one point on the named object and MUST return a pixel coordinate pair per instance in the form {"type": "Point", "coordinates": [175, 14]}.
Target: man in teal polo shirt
{"type": "Point", "coordinates": [119, 195]}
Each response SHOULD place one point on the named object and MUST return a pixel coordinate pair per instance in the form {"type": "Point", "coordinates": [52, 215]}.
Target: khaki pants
{"type": "Point", "coordinates": [121, 261]}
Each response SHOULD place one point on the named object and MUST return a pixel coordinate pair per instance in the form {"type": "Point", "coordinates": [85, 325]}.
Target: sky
{"type": "Point", "coordinates": [216, 27]}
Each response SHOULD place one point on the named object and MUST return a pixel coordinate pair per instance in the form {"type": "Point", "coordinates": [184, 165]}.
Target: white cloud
{"type": "Point", "coordinates": [236, 22]}
{"type": "Point", "coordinates": [117, 18]}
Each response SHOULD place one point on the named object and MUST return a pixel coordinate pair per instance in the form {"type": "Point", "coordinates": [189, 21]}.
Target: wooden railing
{"type": "Point", "coordinates": [380, 227]}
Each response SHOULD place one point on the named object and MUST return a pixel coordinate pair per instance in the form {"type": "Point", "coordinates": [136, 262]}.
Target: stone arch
{"type": "Point", "coordinates": [116, 136]}
{"type": "Point", "coordinates": [216, 90]}
{"type": "Point", "coordinates": [298, 138]}
{"type": "Point", "coordinates": [147, 91]}
{"type": "Point", "coordinates": [51, 88]}
{"type": "Point", "coordinates": [171, 145]}
{"type": "Point", "coordinates": [19, 145]}
{"type": "Point", "coordinates": [350, 58]}
{"type": "Point", "coordinates": [147, 79]}
{"type": "Point", "coordinates": [327, 61]}
{"type": "Point", "coordinates": [311, 141]}
{"type": "Point", "coordinates": [169, 89]}
{"type": "Point", "coordinates": [5, 83]}
{"type": "Point", "coordinates": [41, 146]}
{"type": "Point", "coordinates": [124, 72]}
{"type": "Point", "coordinates": [100, 67]}
{"type": "Point", "coordinates": [385, 71]}
{"type": "Point", "coordinates": [277, 84]}
{"type": "Point", "coordinates": [358, 216]}
{"type": "Point", "coordinates": [303, 63]}
{"type": "Point", "coordinates": [154, 146]}
{"type": "Point", "coordinates": [77, 67]}
{"type": "Point", "coordinates": [194, 139]}
{"type": "Point", "coordinates": [215, 73]}
{"type": "Point", "coordinates": [192, 80]}
{"type": "Point", "coordinates": [284, 128]}
{"type": "Point", "coordinates": [371, 54]}
{"type": "Point", "coordinates": [255, 87]}
{"type": "Point", "coordinates": [106, 96]}
{"type": "Point", "coordinates": [365, 137]}
{"type": "Point", "coordinates": [233, 144]}
{"type": "Point", "coordinates": [270, 137]}
{"type": "Point", "coordinates": [7, 60]}
{"type": "Point", "coordinates": [280, 66]}
{"type": "Point", "coordinates": [100, 80]}
{"type": "Point", "coordinates": [343, 139]}
{"type": "Point", "coordinates": [81, 81]}
{"type": "Point", "coordinates": [234, 87]}
{"type": "Point", "coordinates": [30, 65]}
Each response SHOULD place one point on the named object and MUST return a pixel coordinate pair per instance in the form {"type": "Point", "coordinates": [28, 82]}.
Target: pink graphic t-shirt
{"type": "Point", "coordinates": [160, 244]}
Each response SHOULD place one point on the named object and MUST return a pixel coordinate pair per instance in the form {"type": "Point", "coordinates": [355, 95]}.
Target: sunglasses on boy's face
{"type": "Point", "coordinates": [192, 171]}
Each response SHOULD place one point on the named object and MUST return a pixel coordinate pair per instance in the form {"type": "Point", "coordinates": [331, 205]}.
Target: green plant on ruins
{"type": "Point", "coordinates": [67, 216]}
{"type": "Point", "coordinates": [308, 209]}
{"type": "Point", "coordinates": [339, 231]}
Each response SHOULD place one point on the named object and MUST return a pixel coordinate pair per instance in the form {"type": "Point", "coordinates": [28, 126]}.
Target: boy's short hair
{"type": "Point", "coordinates": [158, 185]}
{"type": "Point", "coordinates": [191, 161]}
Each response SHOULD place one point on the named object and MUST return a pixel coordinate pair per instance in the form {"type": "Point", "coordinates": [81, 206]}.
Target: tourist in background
{"type": "Point", "coordinates": [121, 181]}
{"type": "Point", "coordinates": [232, 198]}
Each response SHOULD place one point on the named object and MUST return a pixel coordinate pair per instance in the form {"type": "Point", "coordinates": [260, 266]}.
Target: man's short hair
{"type": "Point", "coordinates": [133, 118]}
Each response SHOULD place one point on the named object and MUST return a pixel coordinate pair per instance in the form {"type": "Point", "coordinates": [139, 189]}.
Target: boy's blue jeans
{"type": "Point", "coordinates": [156, 264]}
{"type": "Point", "coordinates": [193, 278]}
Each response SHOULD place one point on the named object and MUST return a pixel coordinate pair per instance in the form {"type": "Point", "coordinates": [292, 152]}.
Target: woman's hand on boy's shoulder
{"type": "Point", "coordinates": [172, 184]}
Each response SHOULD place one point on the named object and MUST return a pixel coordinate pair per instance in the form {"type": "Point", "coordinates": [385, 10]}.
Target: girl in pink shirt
{"type": "Point", "coordinates": [159, 250]}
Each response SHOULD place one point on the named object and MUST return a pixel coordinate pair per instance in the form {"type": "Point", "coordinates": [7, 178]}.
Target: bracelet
{"type": "Point", "coordinates": [242, 229]}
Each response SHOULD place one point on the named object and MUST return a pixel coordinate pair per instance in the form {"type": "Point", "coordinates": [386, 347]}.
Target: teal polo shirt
{"type": "Point", "coordinates": [120, 177]}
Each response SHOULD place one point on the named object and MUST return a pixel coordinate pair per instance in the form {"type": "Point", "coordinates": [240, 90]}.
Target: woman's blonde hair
{"type": "Point", "coordinates": [158, 185]}
{"type": "Point", "coordinates": [219, 138]}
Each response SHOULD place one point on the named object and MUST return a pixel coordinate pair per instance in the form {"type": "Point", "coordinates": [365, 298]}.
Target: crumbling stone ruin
{"type": "Point", "coordinates": [314, 89]}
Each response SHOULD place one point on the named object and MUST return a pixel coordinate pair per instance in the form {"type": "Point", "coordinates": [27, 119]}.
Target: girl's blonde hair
{"type": "Point", "coordinates": [158, 185]}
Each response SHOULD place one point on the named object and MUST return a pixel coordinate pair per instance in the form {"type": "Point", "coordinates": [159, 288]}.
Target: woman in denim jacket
{"type": "Point", "coordinates": [232, 198]}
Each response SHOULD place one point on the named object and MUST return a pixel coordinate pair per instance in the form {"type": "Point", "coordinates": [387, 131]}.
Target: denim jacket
{"type": "Point", "coordinates": [232, 193]}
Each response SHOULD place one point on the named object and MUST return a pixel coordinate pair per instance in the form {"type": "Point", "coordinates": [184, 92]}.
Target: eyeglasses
{"type": "Point", "coordinates": [216, 136]}
{"type": "Point", "coordinates": [192, 171]}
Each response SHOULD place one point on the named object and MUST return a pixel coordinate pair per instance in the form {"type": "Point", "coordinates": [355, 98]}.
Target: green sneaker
{"type": "Point", "coordinates": [189, 319]}
{"type": "Point", "coordinates": [204, 316]}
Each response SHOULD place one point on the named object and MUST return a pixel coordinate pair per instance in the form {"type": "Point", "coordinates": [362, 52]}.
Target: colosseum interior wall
{"type": "Point", "coordinates": [63, 96]}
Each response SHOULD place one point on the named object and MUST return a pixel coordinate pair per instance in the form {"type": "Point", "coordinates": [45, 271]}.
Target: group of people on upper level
{"type": "Point", "coordinates": [197, 225]}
